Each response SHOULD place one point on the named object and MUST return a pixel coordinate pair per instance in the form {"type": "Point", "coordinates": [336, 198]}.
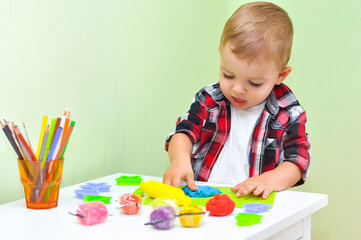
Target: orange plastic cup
{"type": "Point", "coordinates": [41, 181]}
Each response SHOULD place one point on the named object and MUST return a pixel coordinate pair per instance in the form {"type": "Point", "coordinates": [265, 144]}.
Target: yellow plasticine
{"type": "Point", "coordinates": [191, 220]}
{"type": "Point", "coordinates": [156, 189]}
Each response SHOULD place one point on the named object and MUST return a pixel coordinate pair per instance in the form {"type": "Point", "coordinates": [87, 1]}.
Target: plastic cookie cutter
{"type": "Point", "coordinates": [220, 205]}
{"type": "Point", "coordinates": [103, 199]}
{"type": "Point", "coordinates": [256, 207]}
{"type": "Point", "coordinates": [80, 193]}
{"type": "Point", "coordinates": [163, 217]}
{"type": "Point", "coordinates": [130, 203]}
{"type": "Point", "coordinates": [91, 213]}
{"type": "Point", "coordinates": [129, 180]}
{"type": "Point", "coordinates": [247, 219]}
{"type": "Point", "coordinates": [101, 187]}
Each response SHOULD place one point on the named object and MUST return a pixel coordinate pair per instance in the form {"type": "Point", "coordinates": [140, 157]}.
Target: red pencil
{"type": "Point", "coordinates": [23, 142]}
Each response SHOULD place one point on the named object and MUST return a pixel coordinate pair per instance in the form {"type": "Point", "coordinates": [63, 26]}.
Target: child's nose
{"type": "Point", "coordinates": [238, 88]}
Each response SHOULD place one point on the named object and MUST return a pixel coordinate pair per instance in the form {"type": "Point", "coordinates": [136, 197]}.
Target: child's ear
{"type": "Point", "coordinates": [283, 74]}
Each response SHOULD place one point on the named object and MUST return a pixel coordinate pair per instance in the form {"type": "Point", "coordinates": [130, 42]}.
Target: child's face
{"type": "Point", "coordinates": [246, 84]}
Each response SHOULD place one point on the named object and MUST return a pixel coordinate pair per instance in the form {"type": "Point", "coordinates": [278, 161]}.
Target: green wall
{"type": "Point", "coordinates": [127, 69]}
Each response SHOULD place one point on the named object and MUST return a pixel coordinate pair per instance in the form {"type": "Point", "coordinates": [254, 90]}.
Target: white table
{"type": "Point", "coordinates": [290, 218]}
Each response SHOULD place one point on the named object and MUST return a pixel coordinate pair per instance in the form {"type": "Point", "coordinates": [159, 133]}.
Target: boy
{"type": "Point", "coordinates": [248, 130]}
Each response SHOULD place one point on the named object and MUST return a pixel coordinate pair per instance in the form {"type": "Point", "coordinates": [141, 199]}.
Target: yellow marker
{"type": "Point", "coordinates": [42, 131]}
{"type": "Point", "coordinates": [156, 189]}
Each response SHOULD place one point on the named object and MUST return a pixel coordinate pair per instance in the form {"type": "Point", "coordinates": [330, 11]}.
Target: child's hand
{"type": "Point", "coordinates": [286, 175]}
{"type": "Point", "coordinates": [178, 171]}
{"type": "Point", "coordinates": [262, 184]}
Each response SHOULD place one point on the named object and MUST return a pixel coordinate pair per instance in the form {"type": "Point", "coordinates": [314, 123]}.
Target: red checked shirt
{"type": "Point", "coordinates": [279, 135]}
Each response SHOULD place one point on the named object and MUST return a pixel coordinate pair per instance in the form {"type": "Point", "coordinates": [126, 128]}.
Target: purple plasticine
{"type": "Point", "coordinates": [163, 213]}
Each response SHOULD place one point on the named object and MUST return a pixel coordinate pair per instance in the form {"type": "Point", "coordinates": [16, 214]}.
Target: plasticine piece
{"type": "Point", "coordinates": [80, 193]}
{"type": "Point", "coordinates": [156, 189]}
{"type": "Point", "coordinates": [202, 191]}
{"type": "Point", "coordinates": [247, 219]}
{"type": "Point", "coordinates": [130, 203]}
{"type": "Point", "coordinates": [164, 201]}
{"type": "Point", "coordinates": [162, 218]}
{"type": "Point", "coordinates": [101, 187]}
{"type": "Point", "coordinates": [129, 180]}
{"type": "Point", "coordinates": [91, 213]}
{"type": "Point", "coordinates": [103, 199]}
{"type": "Point", "coordinates": [256, 207]}
{"type": "Point", "coordinates": [220, 205]}
{"type": "Point", "coordinates": [190, 220]}
{"type": "Point", "coordinates": [96, 184]}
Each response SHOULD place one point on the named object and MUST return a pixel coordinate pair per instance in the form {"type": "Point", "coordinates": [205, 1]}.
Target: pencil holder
{"type": "Point", "coordinates": [41, 180]}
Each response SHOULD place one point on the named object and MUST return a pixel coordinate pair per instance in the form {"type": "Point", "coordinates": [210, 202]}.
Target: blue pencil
{"type": "Point", "coordinates": [54, 143]}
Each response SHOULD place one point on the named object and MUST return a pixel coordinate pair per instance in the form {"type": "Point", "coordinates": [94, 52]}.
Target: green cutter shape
{"type": "Point", "coordinates": [247, 219]}
{"type": "Point", "coordinates": [129, 180]}
{"type": "Point", "coordinates": [103, 199]}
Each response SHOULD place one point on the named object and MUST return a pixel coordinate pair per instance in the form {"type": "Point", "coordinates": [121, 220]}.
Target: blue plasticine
{"type": "Point", "coordinates": [202, 191]}
{"type": "Point", "coordinates": [79, 193]}
{"type": "Point", "coordinates": [256, 207]}
{"type": "Point", "coordinates": [101, 187]}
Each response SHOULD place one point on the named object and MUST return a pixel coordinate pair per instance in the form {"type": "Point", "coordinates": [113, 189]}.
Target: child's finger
{"type": "Point", "coordinates": [235, 188]}
{"type": "Point", "coordinates": [266, 193]}
{"type": "Point", "coordinates": [258, 190]}
{"type": "Point", "coordinates": [191, 184]}
{"type": "Point", "coordinates": [176, 182]}
{"type": "Point", "coordinates": [249, 188]}
{"type": "Point", "coordinates": [166, 180]}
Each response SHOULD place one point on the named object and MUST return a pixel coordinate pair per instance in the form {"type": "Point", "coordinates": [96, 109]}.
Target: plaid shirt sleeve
{"type": "Point", "coordinates": [296, 146]}
{"type": "Point", "coordinates": [191, 123]}
{"type": "Point", "coordinates": [281, 135]}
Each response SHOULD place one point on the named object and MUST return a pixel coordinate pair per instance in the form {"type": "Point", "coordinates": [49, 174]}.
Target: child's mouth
{"type": "Point", "coordinates": [238, 102]}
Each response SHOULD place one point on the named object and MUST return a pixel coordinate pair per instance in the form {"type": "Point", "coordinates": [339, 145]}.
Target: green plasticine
{"type": "Point", "coordinates": [103, 199]}
{"type": "Point", "coordinates": [247, 219]}
{"type": "Point", "coordinates": [128, 180]}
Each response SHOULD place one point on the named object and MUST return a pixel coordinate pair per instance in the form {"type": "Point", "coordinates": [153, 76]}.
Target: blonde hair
{"type": "Point", "coordinates": [259, 29]}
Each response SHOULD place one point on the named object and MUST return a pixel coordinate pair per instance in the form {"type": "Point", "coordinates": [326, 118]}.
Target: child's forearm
{"type": "Point", "coordinates": [286, 175]}
{"type": "Point", "coordinates": [180, 148]}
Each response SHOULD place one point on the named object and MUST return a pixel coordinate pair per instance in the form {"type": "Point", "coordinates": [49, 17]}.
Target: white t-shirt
{"type": "Point", "coordinates": [232, 165]}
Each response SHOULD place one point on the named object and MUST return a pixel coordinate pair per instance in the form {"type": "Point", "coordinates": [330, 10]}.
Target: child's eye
{"type": "Point", "coordinates": [227, 76]}
{"type": "Point", "coordinates": [255, 84]}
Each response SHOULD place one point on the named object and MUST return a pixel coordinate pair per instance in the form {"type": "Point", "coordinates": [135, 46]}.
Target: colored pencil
{"type": "Point", "coordinates": [24, 145]}
{"type": "Point", "coordinates": [62, 123]}
{"type": "Point", "coordinates": [56, 127]}
{"type": "Point", "coordinates": [66, 126]}
{"type": "Point", "coordinates": [49, 140]}
{"type": "Point", "coordinates": [45, 138]}
{"type": "Point", "coordinates": [28, 139]}
{"type": "Point", "coordinates": [65, 142]}
{"type": "Point", "coordinates": [42, 131]}
{"type": "Point", "coordinates": [17, 141]}
{"type": "Point", "coordinates": [11, 139]}
{"type": "Point", "coordinates": [54, 143]}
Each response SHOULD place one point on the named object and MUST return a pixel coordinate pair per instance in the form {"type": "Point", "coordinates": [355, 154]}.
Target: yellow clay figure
{"type": "Point", "coordinates": [191, 220]}
{"type": "Point", "coordinates": [156, 189]}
